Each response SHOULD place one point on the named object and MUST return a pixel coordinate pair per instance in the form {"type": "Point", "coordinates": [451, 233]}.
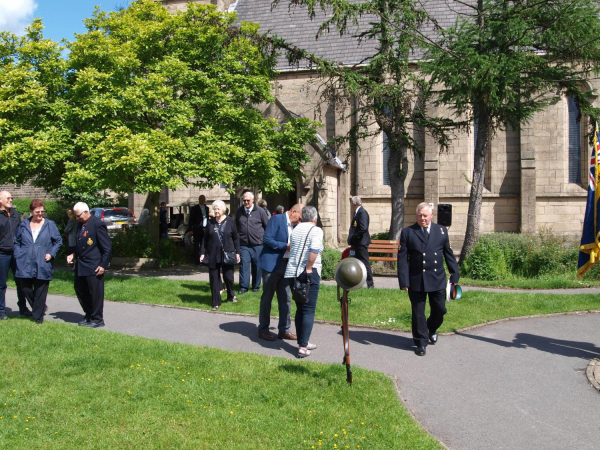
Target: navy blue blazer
{"type": "Point", "coordinates": [358, 235]}
{"type": "Point", "coordinates": [30, 256]}
{"type": "Point", "coordinates": [93, 247]}
{"type": "Point", "coordinates": [420, 266]}
{"type": "Point", "coordinates": [275, 242]}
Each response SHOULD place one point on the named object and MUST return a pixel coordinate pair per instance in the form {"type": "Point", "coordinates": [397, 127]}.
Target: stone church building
{"type": "Point", "coordinates": [536, 177]}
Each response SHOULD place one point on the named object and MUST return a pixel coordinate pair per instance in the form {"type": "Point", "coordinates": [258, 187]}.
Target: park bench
{"type": "Point", "coordinates": [383, 250]}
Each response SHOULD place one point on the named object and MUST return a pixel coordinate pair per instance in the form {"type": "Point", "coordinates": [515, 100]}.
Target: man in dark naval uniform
{"type": "Point", "coordinates": [92, 253]}
{"type": "Point", "coordinates": [359, 237]}
{"type": "Point", "coordinates": [421, 273]}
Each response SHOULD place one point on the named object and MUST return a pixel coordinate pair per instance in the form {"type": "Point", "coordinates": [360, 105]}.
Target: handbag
{"type": "Point", "coordinates": [301, 285]}
{"type": "Point", "coordinates": [228, 257]}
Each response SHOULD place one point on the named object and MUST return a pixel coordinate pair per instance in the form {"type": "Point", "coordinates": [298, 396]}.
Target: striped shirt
{"type": "Point", "coordinates": [314, 244]}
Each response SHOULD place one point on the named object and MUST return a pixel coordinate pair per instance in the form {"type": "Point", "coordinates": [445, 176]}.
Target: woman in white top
{"type": "Point", "coordinates": [306, 246]}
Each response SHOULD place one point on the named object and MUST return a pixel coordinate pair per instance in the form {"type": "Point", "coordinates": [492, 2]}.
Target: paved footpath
{"type": "Point", "coordinates": [517, 384]}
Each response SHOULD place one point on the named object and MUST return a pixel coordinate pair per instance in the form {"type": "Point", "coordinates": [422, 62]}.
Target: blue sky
{"type": "Point", "coordinates": [61, 18]}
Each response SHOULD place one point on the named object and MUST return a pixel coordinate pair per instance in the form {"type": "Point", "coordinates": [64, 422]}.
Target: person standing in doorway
{"type": "Point", "coordinates": [359, 237]}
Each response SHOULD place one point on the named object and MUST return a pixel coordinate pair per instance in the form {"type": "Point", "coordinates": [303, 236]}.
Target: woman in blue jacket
{"type": "Point", "coordinates": [36, 244]}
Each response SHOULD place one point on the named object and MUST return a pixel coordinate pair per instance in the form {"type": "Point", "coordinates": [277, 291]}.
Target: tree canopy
{"type": "Point", "coordinates": [145, 100]}
{"type": "Point", "coordinates": [505, 60]}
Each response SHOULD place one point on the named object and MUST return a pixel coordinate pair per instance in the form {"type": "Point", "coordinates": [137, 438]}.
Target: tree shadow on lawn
{"type": "Point", "coordinates": [250, 330]}
{"type": "Point", "coordinates": [203, 296]}
{"type": "Point", "coordinates": [367, 337]}
{"type": "Point", "coordinates": [572, 349]}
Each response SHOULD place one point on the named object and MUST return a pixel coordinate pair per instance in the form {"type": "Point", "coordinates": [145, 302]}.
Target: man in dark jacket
{"type": "Point", "coordinates": [198, 221]}
{"type": "Point", "coordinates": [359, 237]}
{"type": "Point", "coordinates": [251, 223]}
{"type": "Point", "coordinates": [421, 273]}
{"type": "Point", "coordinates": [92, 253]}
{"type": "Point", "coordinates": [9, 222]}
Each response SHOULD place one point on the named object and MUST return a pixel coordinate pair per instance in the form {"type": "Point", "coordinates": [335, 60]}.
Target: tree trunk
{"type": "Point", "coordinates": [481, 152]}
{"type": "Point", "coordinates": [154, 210]}
{"type": "Point", "coordinates": [397, 170]}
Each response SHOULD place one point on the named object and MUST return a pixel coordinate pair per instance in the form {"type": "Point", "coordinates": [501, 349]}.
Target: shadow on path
{"type": "Point", "coordinates": [250, 331]}
{"type": "Point", "coordinates": [572, 349]}
{"type": "Point", "coordinates": [67, 316]}
{"type": "Point", "coordinates": [384, 339]}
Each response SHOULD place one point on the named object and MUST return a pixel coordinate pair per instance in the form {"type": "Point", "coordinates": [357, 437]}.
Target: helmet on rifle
{"type": "Point", "coordinates": [350, 274]}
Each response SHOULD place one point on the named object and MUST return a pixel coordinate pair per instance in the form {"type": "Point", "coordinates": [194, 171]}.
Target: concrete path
{"type": "Point", "coordinates": [518, 384]}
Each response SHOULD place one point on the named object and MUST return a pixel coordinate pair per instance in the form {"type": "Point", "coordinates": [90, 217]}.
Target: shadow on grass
{"type": "Point", "coordinates": [381, 338]}
{"type": "Point", "coordinates": [250, 330]}
{"type": "Point", "coordinates": [571, 349]}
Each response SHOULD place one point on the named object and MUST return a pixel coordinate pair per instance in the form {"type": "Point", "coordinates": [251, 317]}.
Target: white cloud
{"type": "Point", "coordinates": [15, 15]}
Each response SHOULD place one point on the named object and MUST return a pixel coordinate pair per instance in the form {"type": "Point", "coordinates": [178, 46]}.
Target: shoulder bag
{"type": "Point", "coordinates": [300, 287]}
{"type": "Point", "coordinates": [228, 257]}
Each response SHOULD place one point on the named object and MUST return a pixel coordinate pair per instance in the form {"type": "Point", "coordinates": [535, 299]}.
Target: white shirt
{"type": "Point", "coordinates": [314, 244]}
{"type": "Point", "coordinates": [290, 228]}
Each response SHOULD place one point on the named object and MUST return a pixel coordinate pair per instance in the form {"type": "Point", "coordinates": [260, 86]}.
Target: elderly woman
{"type": "Point", "coordinates": [144, 219]}
{"type": "Point", "coordinates": [306, 246]}
{"type": "Point", "coordinates": [220, 237]}
{"type": "Point", "coordinates": [36, 243]}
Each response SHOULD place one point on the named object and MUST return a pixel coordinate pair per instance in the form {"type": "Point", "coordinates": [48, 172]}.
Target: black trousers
{"type": "Point", "coordinates": [214, 276]}
{"type": "Point", "coordinates": [362, 253]}
{"type": "Point", "coordinates": [421, 328]}
{"type": "Point", "coordinates": [198, 236]}
{"type": "Point", "coordinates": [90, 293]}
{"type": "Point", "coordinates": [36, 292]}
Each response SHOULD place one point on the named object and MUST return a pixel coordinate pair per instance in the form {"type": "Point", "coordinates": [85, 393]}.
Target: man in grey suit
{"type": "Point", "coordinates": [421, 273]}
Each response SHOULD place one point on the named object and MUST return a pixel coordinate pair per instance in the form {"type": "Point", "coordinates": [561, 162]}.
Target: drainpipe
{"type": "Point", "coordinates": [355, 115]}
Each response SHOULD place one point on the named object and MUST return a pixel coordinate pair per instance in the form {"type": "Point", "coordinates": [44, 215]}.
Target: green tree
{"type": "Point", "coordinates": [153, 100]}
{"type": "Point", "coordinates": [384, 93]}
{"type": "Point", "coordinates": [505, 60]}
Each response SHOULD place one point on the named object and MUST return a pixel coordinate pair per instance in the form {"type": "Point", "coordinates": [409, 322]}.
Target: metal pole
{"type": "Point", "coordinates": [345, 334]}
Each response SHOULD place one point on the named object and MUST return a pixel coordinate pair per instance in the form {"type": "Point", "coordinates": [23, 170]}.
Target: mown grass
{"type": "Point", "coordinates": [555, 281]}
{"type": "Point", "coordinates": [384, 308]}
{"type": "Point", "coordinates": [67, 387]}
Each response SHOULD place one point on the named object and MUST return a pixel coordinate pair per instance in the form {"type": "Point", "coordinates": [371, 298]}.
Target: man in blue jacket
{"type": "Point", "coordinates": [92, 253]}
{"type": "Point", "coordinates": [273, 261]}
{"type": "Point", "coordinates": [421, 273]}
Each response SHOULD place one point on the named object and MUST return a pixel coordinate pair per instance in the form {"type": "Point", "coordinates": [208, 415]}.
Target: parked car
{"type": "Point", "coordinates": [115, 217]}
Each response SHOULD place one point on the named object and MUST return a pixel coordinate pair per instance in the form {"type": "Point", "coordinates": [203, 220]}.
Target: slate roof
{"type": "Point", "coordinates": [294, 25]}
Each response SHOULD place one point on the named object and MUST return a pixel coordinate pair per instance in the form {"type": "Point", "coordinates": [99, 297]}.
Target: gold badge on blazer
{"type": "Point", "coordinates": [354, 224]}
{"type": "Point", "coordinates": [89, 241]}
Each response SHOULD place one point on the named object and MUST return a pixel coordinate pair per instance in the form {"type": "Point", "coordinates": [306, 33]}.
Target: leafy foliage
{"type": "Point", "coordinates": [146, 100]}
{"type": "Point", "coordinates": [329, 259]}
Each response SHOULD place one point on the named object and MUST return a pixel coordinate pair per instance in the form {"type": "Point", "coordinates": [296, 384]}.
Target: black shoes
{"type": "Point", "coordinates": [3, 317]}
{"type": "Point", "coordinates": [24, 313]}
{"type": "Point", "coordinates": [83, 322]}
{"type": "Point", "coordinates": [420, 351]}
{"type": "Point", "coordinates": [91, 324]}
{"type": "Point", "coordinates": [255, 290]}
{"type": "Point", "coordinates": [242, 291]}
{"type": "Point", "coordinates": [433, 338]}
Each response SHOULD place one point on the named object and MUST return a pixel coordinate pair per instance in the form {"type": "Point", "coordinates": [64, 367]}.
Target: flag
{"type": "Point", "coordinates": [589, 250]}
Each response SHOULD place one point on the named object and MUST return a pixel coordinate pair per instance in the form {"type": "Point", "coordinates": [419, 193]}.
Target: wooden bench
{"type": "Point", "coordinates": [390, 248]}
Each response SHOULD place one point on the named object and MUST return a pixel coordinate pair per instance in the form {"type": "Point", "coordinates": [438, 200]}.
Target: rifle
{"type": "Point", "coordinates": [344, 300]}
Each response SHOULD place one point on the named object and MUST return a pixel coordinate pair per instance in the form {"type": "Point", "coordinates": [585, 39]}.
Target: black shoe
{"type": "Point", "coordinates": [84, 322]}
{"type": "Point", "coordinates": [91, 324]}
{"type": "Point", "coordinates": [256, 290]}
{"type": "Point", "coordinates": [433, 338]}
{"type": "Point", "coordinates": [3, 317]}
{"type": "Point", "coordinates": [420, 351]}
{"type": "Point", "coordinates": [39, 321]}
{"type": "Point", "coordinates": [25, 313]}
{"type": "Point", "coordinates": [371, 287]}
{"type": "Point", "coordinates": [242, 291]}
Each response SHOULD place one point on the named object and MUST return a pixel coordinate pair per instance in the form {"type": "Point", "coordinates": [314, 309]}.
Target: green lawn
{"type": "Point", "coordinates": [385, 308]}
{"type": "Point", "coordinates": [563, 281]}
{"type": "Point", "coordinates": [70, 387]}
